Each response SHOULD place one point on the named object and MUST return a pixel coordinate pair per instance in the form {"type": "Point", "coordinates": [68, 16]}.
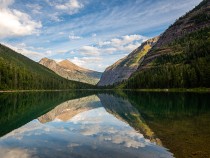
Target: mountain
{"type": "Point", "coordinates": [20, 72]}
{"type": "Point", "coordinates": [71, 71]}
{"type": "Point", "coordinates": [181, 57]}
{"type": "Point", "coordinates": [124, 68]}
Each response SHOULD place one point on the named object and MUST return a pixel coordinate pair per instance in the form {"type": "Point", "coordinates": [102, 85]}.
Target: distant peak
{"type": "Point", "coordinates": [44, 60]}
{"type": "Point", "coordinates": [66, 60]}
{"type": "Point", "coordinates": [66, 63]}
{"type": "Point", "coordinates": [70, 65]}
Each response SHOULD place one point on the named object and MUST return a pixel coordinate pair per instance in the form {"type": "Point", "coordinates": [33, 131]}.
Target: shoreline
{"type": "Point", "coordinates": [100, 89]}
{"type": "Point", "coordinates": [172, 90]}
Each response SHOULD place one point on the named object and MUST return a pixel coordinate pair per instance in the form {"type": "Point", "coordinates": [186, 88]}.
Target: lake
{"type": "Point", "coordinates": [104, 124]}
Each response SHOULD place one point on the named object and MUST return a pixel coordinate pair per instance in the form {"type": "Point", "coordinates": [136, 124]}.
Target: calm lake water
{"type": "Point", "coordinates": [93, 124]}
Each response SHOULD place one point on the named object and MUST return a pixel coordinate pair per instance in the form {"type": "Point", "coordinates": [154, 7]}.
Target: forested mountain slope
{"type": "Point", "coordinates": [181, 57]}
{"type": "Point", "coordinates": [20, 72]}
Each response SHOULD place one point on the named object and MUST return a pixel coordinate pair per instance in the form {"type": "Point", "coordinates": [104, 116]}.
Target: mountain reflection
{"type": "Point", "coordinates": [123, 110]}
{"type": "Point", "coordinates": [180, 120]}
{"type": "Point", "coordinates": [69, 109]}
{"type": "Point", "coordinates": [102, 125]}
{"type": "Point", "coordinates": [17, 109]}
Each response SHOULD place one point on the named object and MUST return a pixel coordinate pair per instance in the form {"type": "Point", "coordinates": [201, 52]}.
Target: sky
{"type": "Point", "coordinates": [91, 33]}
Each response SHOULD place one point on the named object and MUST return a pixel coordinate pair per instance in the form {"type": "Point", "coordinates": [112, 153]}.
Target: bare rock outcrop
{"type": "Point", "coordinates": [71, 71]}
{"type": "Point", "coordinates": [124, 68]}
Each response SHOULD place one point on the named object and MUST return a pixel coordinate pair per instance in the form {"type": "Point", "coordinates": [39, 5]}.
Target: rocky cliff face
{"type": "Point", "coordinates": [71, 71]}
{"type": "Point", "coordinates": [124, 68]}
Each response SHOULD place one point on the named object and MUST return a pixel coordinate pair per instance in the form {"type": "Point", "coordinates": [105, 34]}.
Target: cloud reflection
{"type": "Point", "coordinates": [106, 127]}
{"type": "Point", "coordinates": [90, 132]}
{"type": "Point", "coordinates": [16, 153]}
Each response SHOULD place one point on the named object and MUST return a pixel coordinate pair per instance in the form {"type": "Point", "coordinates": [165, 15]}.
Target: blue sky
{"type": "Point", "coordinates": [91, 33]}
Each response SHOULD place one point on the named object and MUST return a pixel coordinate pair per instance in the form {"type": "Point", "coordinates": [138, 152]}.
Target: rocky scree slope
{"type": "Point", "coordinates": [125, 67]}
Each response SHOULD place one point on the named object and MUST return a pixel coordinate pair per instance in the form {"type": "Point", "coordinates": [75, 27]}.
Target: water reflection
{"type": "Point", "coordinates": [17, 109]}
{"type": "Point", "coordinates": [180, 120]}
{"type": "Point", "coordinates": [123, 110]}
{"type": "Point", "coordinates": [102, 125]}
{"type": "Point", "coordinates": [67, 110]}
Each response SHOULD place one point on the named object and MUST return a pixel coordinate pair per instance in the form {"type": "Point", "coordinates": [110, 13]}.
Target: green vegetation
{"type": "Point", "coordinates": [184, 64]}
{"type": "Point", "coordinates": [200, 18]}
{"type": "Point", "coordinates": [181, 58]}
{"type": "Point", "coordinates": [198, 7]}
{"type": "Point", "coordinates": [140, 55]}
{"type": "Point", "coordinates": [17, 72]}
{"type": "Point", "coordinates": [203, 3]}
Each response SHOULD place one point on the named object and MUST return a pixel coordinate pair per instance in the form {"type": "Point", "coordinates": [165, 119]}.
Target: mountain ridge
{"type": "Point", "coordinates": [71, 71]}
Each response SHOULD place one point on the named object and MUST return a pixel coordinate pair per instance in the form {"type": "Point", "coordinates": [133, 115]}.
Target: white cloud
{"type": "Point", "coordinates": [72, 52]}
{"type": "Point", "coordinates": [124, 40]}
{"type": "Point", "coordinates": [94, 123]}
{"type": "Point", "coordinates": [48, 53]}
{"type": "Point", "coordinates": [35, 8]}
{"type": "Point", "coordinates": [71, 7]}
{"type": "Point", "coordinates": [58, 60]}
{"type": "Point", "coordinates": [131, 47]}
{"type": "Point", "coordinates": [104, 43]}
{"type": "Point", "coordinates": [89, 50]}
{"type": "Point", "coordinates": [88, 62]}
{"type": "Point", "coordinates": [55, 17]}
{"type": "Point", "coordinates": [16, 153]}
{"type": "Point", "coordinates": [94, 35]}
{"type": "Point", "coordinates": [16, 23]}
{"type": "Point", "coordinates": [124, 44]}
{"type": "Point", "coordinates": [68, 7]}
{"type": "Point", "coordinates": [110, 50]}
{"type": "Point", "coordinates": [61, 51]}
{"type": "Point", "coordinates": [5, 3]}
{"type": "Point", "coordinates": [74, 37]}
{"type": "Point", "coordinates": [78, 61]}
{"type": "Point", "coordinates": [131, 38]}
{"type": "Point", "coordinates": [61, 33]}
